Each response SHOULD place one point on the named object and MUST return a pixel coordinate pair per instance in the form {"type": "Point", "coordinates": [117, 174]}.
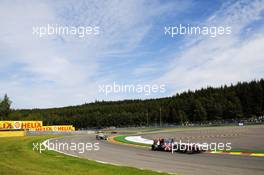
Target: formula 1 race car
{"type": "Point", "coordinates": [171, 146]}
{"type": "Point", "coordinates": [101, 136]}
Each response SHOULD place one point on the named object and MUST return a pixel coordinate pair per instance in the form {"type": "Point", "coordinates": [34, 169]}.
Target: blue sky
{"type": "Point", "coordinates": [131, 48]}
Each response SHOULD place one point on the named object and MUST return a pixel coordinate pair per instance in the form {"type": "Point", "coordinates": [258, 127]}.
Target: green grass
{"type": "Point", "coordinates": [18, 157]}
{"type": "Point", "coordinates": [122, 140]}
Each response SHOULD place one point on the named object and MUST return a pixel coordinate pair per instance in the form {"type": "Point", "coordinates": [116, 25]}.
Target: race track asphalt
{"type": "Point", "coordinates": [186, 164]}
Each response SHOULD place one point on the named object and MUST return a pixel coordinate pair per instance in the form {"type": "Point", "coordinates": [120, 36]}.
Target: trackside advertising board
{"type": "Point", "coordinates": [54, 128]}
{"type": "Point", "coordinates": [20, 124]}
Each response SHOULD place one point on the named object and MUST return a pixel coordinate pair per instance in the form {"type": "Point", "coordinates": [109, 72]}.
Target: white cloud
{"type": "Point", "coordinates": [58, 71]}
{"type": "Point", "coordinates": [222, 60]}
{"type": "Point", "coordinates": [63, 71]}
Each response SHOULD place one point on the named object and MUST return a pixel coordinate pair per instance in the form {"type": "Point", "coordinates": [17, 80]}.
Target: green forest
{"type": "Point", "coordinates": [241, 101]}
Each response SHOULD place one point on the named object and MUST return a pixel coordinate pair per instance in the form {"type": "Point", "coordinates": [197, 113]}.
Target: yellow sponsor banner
{"type": "Point", "coordinates": [54, 128]}
{"type": "Point", "coordinates": [20, 124]}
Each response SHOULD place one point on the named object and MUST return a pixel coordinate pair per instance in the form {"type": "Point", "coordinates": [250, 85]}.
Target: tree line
{"type": "Point", "coordinates": [241, 101]}
{"type": "Point", "coordinates": [5, 105]}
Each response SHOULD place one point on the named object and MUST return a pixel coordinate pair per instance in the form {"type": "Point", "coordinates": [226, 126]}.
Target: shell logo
{"type": "Point", "coordinates": [17, 125]}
